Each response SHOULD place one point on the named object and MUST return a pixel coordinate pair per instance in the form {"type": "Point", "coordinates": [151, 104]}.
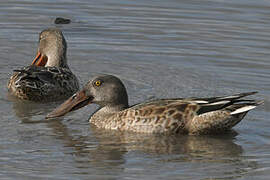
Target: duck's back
{"type": "Point", "coordinates": [37, 83]}
{"type": "Point", "coordinates": [160, 116]}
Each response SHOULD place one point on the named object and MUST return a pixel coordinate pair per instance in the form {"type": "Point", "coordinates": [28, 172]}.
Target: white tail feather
{"type": "Point", "coordinates": [200, 102]}
{"type": "Point", "coordinates": [229, 97]}
{"type": "Point", "coordinates": [219, 102]}
{"type": "Point", "coordinates": [243, 109]}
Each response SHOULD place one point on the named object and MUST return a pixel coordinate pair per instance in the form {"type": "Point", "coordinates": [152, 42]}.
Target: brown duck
{"type": "Point", "coordinates": [186, 116]}
{"type": "Point", "coordinates": [48, 78]}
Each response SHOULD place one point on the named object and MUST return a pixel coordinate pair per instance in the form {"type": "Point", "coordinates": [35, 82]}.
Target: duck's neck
{"type": "Point", "coordinates": [104, 113]}
{"type": "Point", "coordinates": [57, 57]}
{"type": "Point", "coordinates": [57, 61]}
{"type": "Point", "coordinates": [114, 108]}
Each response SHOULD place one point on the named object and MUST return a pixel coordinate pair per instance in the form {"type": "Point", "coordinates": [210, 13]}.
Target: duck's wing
{"type": "Point", "coordinates": [43, 82]}
{"type": "Point", "coordinates": [220, 102]}
{"type": "Point", "coordinates": [193, 115]}
{"type": "Point", "coordinates": [218, 114]}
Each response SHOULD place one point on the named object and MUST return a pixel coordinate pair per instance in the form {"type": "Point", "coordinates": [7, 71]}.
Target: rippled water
{"type": "Point", "coordinates": [159, 49]}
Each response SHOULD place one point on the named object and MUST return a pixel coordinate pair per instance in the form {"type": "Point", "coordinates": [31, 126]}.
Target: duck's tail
{"type": "Point", "coordinates": [221, 114]}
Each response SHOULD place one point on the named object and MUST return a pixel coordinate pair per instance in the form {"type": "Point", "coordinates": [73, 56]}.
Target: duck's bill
{"type": "Point", "coordinates": [75, 102]}
{"type": "Point", "coordinates": [40, 60]}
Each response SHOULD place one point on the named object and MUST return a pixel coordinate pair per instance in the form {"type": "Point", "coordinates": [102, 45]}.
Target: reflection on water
{"type": "Point", "coordinates": [174, 144]}
{"type": "Point", "coordinates": [110, 148]}
{"type": "Point", "coordinates": [31, 112]}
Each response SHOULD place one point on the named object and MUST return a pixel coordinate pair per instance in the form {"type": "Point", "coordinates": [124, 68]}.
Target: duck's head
{"type": "Point", "coordinates": [52, 49]}
{"type": "Point", "coordinates": [105, 90]}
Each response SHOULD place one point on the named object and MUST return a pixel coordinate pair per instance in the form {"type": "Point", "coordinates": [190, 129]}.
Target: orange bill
{"type": "Point", "coordinates": [40, 60]}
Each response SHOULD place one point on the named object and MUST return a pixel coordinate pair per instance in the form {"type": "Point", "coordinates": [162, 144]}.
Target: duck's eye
{"type": "Point", "coordinates": [98, 83]}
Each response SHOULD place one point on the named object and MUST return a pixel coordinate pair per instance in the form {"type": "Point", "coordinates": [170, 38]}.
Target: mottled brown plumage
{"type": "Point", "coordinates": [167, 116]}
{"type": "Point", "coordinates": [49, 77]}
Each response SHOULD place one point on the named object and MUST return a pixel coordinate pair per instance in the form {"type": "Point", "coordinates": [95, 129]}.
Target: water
{"type": "Point", "coordinates": [159, 49]}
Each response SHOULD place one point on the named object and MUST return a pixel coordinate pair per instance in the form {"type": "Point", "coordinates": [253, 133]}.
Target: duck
{"type": "Point", "coordinates": [49, 77]}
{"type": "Point", "coordinates": [192, 116]}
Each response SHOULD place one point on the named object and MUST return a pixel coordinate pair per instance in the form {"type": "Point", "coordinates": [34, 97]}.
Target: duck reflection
{"type": "Point", "coordinates": [87, 151]}
{"type": "Point", "coordinates": [211, 146]}
{"type": "Point", "coordinates": [108, 149]}
{"type": "Point", "coordinates": [110, 146]}
{"type": "Point", "coordinates": [31, 112]}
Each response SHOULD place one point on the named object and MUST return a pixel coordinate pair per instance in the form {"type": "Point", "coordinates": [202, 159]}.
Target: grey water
{"type": "Point", "coordinates": [160, 49]}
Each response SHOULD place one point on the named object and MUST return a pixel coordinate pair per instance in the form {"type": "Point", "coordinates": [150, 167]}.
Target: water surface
{"type": "Point", "coordinates": [160, 49]}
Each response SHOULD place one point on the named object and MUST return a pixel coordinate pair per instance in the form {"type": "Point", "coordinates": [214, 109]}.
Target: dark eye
{"type": "Point", "coordinates": [98, 83]}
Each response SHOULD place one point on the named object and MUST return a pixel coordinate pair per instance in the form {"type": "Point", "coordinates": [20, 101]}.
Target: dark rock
{"type": "Point", "coordinates": [60, 20]}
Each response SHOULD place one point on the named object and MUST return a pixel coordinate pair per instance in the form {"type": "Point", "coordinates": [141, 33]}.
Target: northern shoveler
{"type": "Point", "coordinates": [187, 116]}
{"type": "Point", "coordinates": [48, 78]}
